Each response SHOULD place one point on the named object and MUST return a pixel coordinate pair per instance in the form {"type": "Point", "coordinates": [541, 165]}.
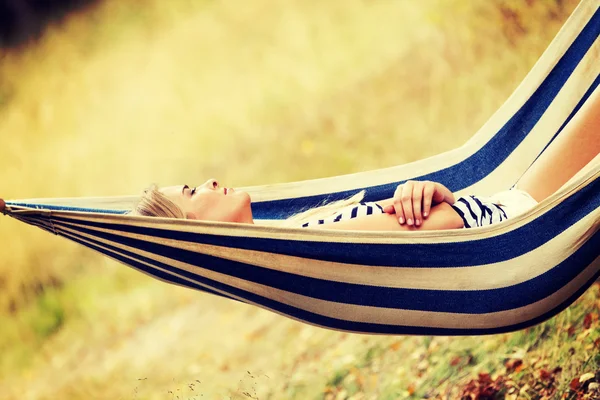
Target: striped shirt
{"type": "Point", "coordinates": [475, 211]}
{"type": "Point", "coordinates": [358, 210]}
{"type": "Point", "coordinates": [478, 211]}
{"type": "Point", "coordinates": [481, 210]}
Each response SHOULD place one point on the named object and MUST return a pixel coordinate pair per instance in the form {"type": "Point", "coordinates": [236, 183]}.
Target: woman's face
{"type": "Point", "coordinates": [211, 202]}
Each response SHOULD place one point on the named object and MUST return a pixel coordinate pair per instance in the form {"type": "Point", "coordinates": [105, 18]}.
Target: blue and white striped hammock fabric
{"type": "Point", "coordinates": [486, 280]}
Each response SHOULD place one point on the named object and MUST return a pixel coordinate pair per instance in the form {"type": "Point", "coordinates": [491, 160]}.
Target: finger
{"type": "Point", "coordinates": [389, 209]}
{"type": "Point", "coordinates": [417, 198]}
{"type": "Point", "coordinates": [398, 205]}
{"type": "Point", "coordinates": [407, 205]}
{"type": "Point", "coordinates": [427, 196]}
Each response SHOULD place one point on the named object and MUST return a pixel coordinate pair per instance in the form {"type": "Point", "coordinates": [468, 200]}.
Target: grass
{"type": "Point", "coordinates": [125, 94]}
{"type": "Point", "coordinates": [438, 364]}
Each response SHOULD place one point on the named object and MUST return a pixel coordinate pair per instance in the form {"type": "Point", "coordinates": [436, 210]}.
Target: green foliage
{"type": "Point", "coordinates": [371, 354]}
{"type": "Point", "coordinates": [338, 377]}
{"type": "Point", "coordinates": [47, 315]}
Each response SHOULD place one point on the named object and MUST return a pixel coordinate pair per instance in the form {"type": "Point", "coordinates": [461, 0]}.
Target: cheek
{"type": "Point", "coordinates": [213, 207]}
{"type": "Point", "coordinates": [203, 206]}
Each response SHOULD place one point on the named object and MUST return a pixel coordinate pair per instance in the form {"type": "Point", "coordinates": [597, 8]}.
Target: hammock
{"type": "Point", "coordinates": [485, 280]}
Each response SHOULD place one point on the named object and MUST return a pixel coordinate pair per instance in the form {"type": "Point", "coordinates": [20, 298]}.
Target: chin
{"type": "Point", "coordinates": [245, 211]}
{"type": "Point", "coordinates": [245, 196]}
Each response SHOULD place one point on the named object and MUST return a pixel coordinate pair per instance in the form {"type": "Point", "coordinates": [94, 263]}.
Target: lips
{"type": "Point", "coordinates": [224, 190]}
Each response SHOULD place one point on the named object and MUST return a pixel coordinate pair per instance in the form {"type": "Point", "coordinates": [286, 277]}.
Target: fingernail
{"type": "Point", "coordinates": [401, 220]}
{"type": "Point", "coordinates": [409, 221]}
{"type": "Point", "coordinates": [425, 214]}
{"type": "Point", "coordinates": [417, 222]}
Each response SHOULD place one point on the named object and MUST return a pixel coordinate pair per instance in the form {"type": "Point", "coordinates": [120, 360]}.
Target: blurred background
{"type": "Point", "coordinates": [102, 98]}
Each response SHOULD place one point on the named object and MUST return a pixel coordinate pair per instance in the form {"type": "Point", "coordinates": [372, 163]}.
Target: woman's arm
{"type": "Point", "coordinates": [413, 200]}
{"type": "Point", "coordinates": [573, 149]}
{"type": "Point", "coordinates": [442, 216]}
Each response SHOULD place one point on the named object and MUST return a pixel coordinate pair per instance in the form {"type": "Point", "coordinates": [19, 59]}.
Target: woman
{"type": "Point", "coordinates": [416, 205]}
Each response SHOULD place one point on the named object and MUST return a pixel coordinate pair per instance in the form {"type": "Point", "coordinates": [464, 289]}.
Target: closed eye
{"type": "Point", "coordinates": [193, 191]}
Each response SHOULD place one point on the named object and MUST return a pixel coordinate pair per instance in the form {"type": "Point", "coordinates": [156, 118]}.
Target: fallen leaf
{"type": "Point", "coordinates": [574, 385]}
{"type": "Point", "coordinates": [519, 368]}
{"type": "Point", "coordinates": [587, 321]}
{"type": "Point", "coordinates": [483, 388]}
{"type": "Point", "coordinates": [586, 377]}
{"type": "Point", "coordinates": [545, 375]}
{"type": "Point", "coordinates": [513, 364]}
{"type": "Point", "coordinates": [396, 345]}
{"type": "Point", "coordinates": [484, 377]}
{"type": "Point", "coordinates": [589, 318]}
{"type": "Point", "coordinates": [360, 379]}
{"type": "Point", "coordinates": [328, 389]}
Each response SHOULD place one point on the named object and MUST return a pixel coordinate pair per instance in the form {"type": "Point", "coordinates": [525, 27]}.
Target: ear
{"type": "Point", "coordinates": [191, 215]}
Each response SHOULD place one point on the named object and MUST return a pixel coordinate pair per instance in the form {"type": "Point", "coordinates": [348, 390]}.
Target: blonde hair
{"type": "Point", "coordinates": [155, 204]}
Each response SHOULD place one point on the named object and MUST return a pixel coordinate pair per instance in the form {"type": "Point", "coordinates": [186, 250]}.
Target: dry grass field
{"type": "Point", "coordinates": [128, 93]}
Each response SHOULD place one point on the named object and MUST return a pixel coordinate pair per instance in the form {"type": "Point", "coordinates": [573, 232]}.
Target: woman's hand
{"type": "Point", "coordinates": [413, 201]}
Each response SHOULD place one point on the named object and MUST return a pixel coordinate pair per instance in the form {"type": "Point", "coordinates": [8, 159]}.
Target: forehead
{"type": "Point", "coordinates": [171, 191]}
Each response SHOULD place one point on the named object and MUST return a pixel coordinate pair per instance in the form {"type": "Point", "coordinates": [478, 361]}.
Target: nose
{"type": "Point", "coordinates": [211, 184]}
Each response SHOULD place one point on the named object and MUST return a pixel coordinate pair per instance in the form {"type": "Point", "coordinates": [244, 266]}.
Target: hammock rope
{"type": "Point", "coordinates": [486, 280]}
